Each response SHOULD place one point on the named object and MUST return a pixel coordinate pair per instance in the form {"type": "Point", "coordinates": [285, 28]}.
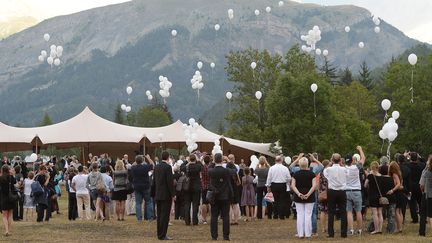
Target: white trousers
{"type": "Point", "coordinates": [304, 219]}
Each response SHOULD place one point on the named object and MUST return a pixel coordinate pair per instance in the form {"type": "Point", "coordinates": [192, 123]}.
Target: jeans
{"type": "Point", "coordinates": [139, 196]}
{"type": "Point", "coordinates": [390, 211]}
{"type": "Point", "coordinates": [304, 224]}
{"type": "Point", "coordinates": [261, 192]}
{"type": "Point", "coordinates": [315, 214]}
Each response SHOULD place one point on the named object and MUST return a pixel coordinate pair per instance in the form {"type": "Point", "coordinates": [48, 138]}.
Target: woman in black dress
{"type": "Point", "coordinates": [374, 195]}
{"type": "Point", "coordinates": [7, 185]}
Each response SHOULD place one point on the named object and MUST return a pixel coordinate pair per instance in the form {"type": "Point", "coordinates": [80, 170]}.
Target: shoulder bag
{"type": "Point", "coordinates": [382, 200]}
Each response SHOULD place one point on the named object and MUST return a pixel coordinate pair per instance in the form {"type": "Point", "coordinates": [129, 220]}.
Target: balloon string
{"type": "Point", "coordinates": [382, 146]}
{"type": "Point", "coordinates": [412, 85]}
{"type": "Point", "coordinates": [388, 150]}
{"type": "Point", "coordinates": [198, 96]}
{"type": "Point", "coordinates": [385, 118]}
{"type": "Point", "coordinates": [314, 106]}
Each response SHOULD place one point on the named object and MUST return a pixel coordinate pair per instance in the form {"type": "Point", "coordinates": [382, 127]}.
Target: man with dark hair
{"type": "Point", "coordinates": [139, 174]}
{"type": "Point", "coordinates": [336, 195]}
{"type": "Point", "coordinates": [163, 182]}
{"type": "Point", "coordinates": [220, 185]}
{"type": "Point", "coordinates": [416, 168]}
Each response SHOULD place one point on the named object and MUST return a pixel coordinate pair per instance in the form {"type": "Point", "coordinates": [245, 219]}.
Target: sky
{"type": "Point", "coordinates": [413, 17]}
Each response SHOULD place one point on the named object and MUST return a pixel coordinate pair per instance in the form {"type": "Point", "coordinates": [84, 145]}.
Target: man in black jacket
{"type": "Point", "coordinates": [221, 187]}
{"type": "Point", "coordinates": [416, 168]}
{"type": "Point", "coordinates": [164, 192]}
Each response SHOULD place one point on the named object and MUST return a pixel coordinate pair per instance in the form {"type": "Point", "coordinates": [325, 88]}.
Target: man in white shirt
{"type": "Point", "coordinates": [336, 195]}
{"type": "Point", "coordinates": [278, 182]}
{"type": "Point", "coordinates": [79, 184]}
{"type": "Point", "coordinates": [353, 189]}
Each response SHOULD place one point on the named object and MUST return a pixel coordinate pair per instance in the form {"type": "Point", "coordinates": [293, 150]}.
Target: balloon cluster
{"type": "Point", "coordinates": [253, 161]}
{"type": "Point", "coordinates": [313, 36]}
{"type": "Point", "coordinates": [196, 81]}
{"type": "Point", "coordinates": [165, 85]}
{"type": "Point", "coordinates": [390, 128]}
{"type": "Point", "coordinates": [191, 135]}
{"type": "Point", "coordinates": [377, 22]}
{"type": "Point", "coordinates": [149, 95]}
{"type": "Point", "coordinates": [126, 108]}
{"type": "Point", "coordinates": [217, 148]}
{"type": "Point", "coordinates": [55, 53]}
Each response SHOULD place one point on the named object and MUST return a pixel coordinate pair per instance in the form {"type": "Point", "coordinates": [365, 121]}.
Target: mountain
{"type": "Point", "coordinates": [15, 24]}
{"type": "Point", "coordinates": [108, 48]}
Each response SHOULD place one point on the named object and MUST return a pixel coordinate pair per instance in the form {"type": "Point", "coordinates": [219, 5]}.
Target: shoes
{"type": "Point", "coordinates": [359, 232]}
{"type": "Point", "coordinates": [214, 238]}
{"type": "Point", "coordinates": [227, 239]}
{"type": "Point", "coordinates": [351, 232]}
{"type": "Point", "coordinates": [166, 238]}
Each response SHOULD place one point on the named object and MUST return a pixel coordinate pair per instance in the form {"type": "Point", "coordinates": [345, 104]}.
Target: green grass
{"type": "Point", "coordinates": [60, 229]}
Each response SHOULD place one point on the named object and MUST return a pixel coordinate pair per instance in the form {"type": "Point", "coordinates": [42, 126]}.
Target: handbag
{"type": "Point", "coordinates": [382, 200]}
{"type": "Point", "coordinates": [100, 185]}
{"type": "Point", "coordinates": [269, 197]}
{"type": "Point", "coordinates": [13, 195]}
{"type": "Point", "coordinates": [129, 186]}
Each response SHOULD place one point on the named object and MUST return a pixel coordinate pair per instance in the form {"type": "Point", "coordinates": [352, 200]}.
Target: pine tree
{"type": "Point", "coordinates": [365, 76]}
{"type": "Point", "coordinates": [346, 77]}
{"type": "Point", "coordinates": [118, 115]}
{"type": "Point", "coordinates": [329, 70]}
{"type": "Point", "coordinates": [46, 120]}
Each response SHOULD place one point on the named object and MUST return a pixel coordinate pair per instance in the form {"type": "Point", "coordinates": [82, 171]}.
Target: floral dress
{"type": "Point", "coordinates": [323, 184]}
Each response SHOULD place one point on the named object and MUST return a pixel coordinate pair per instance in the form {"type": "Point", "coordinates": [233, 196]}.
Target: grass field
{"type": "Point", "coordinates": [60, 229]}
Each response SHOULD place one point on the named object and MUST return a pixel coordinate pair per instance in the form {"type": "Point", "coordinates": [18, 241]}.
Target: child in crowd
{"type": "Point", "coordinates": [28, 198]}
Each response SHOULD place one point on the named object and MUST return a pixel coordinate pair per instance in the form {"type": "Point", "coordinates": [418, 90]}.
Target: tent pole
{"type": "Point", "coordinates": [144, 146]}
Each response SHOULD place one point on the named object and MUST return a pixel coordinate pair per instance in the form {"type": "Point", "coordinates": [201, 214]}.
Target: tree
{"type": "Point", "coordinates": [329, 71]}
{"type": "Point", "coordinates": [118, 115]}
{"type": "Point", "coordinates": [345, 77]}
{"type": "Point", "coordinates": [46, 120]}
{"type": "Point", "coordinates": [365, 76]}
{"type": "Point", "coordinates": [248, 118]}
{"type": "Point", "coordinates": [152, 116]}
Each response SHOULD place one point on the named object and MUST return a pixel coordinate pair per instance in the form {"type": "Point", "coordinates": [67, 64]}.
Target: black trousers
{"type": "Point", "coordinates": [220, 207]}
{"type": "Point", "coordinates": [163, 215]}
{"type": "Point", "coordinates": [72, 206]}
{"type": "Point", "coordinates": [179, 206]}
{"type": "Point", "coordinates": [191, 197]}
{"type": "Point", "coordinates": [19, 209]}
{"type": "Point", "coordinates": [281, 198]}
{"type": "Point", "coordinates": [423, 215]}
{"type": "Point", "coordinates": [336, 199]}
{"type": "Point", "coordinates": [415, 202]}
{"type": "Point", "coordinates": [261, 192]}
{"type": "Point", "coordinates": [41, 209]}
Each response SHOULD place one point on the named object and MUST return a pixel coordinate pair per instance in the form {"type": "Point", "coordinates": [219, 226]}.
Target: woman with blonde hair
{"type": "Point", "coordinates": [261, 171]}
{"type": "Point", "coordinates": [120, 177]}
{"type": "Point", "coordinates": [396, 174]}
{"type": "Point", "coordinates": [374, 195]}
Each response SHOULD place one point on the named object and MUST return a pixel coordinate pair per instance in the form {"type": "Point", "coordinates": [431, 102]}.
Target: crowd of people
{"type": "Point", "coordinates": [200, 186]}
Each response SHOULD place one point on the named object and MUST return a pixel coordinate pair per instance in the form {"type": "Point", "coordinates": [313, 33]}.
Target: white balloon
{"type": "Point", "coordinates": [318, 51]}
{"type": "Point", "coordinates": [412, 59]}
{"type": "Point", "coordinates": [257, 12]}
{"type": "Point", "coordinates": [191, 121]}
{"type": "Point", "coordinates": [200, 85]}
{"type": "Point", "coordinates": [57, 62]}
{"type": "Point", "coordinates": [281, 3]}
{"type": "Point", "coordinates": [394, 126]}
{"type": "Point", "coordinates": [314, 87]}
{"type": "Point", "coordinates": [392, 136]}
{"type": "Point", "coordinates": [129, 90]}
{"type": "Point", "coordinates": [46, 37]}
{"type": "Point", "coordinates": [148, 92]}
{"type": "Point", "coordinates": [41, 58]}
{"type": "Point", "coordinates": [53, 53]}
{"type": "Point", "coordinates": [288, 160]}
{"type": "Point", "coordinates": [253, 157]}
{"type": "Point", "coordinates": [150, 97]}
{"type": "Point", "coordinates": [258, 95]}
{"type": "Point", "coordinates": [160, 136]}
{"type": "Point", "coordinates": [217, 142]}
{"type": "Point", "coordinates": [59, 49]}
{"type": "Point", "coordinates": [347, 29]}
{"type": "Point", "coordinates": [387, 129]}
{"type": "Point", "coordinates": [385, 104]}
{"type": "Point", "coordinates": [199, 65]}
{"type": "Point", "coordinates": [212, 65]}
{"type": "Point", "coordinates": [377, 21]}
{"type": "Point", "coordinates": [50, 60]}
{"type": "Point", "coordinates": [303, 47]}
{"type": "Point", "coordinates": [253, 65]}
{"type": "Point", "coordinates": [123, 107]}
{"type": "Point", "coordinates": [377, 29]}
{"type": "Point", "coordinates": [395, 114]}
{"type": "Point", "coordinates": [382, 135]}
{"type": "Point", "coordinates": [128, 109]}
{"type": "Point", "coordinates": [325, 53]}
{"type": "Point", "coordinates": [268, 9]}
{"type": "Point", "coordinates": [391, 120]}
{"type": "Point", "coordinates": [44, 53]}
{"type": "Point", "coordinates": [174, 33]}
{"type": "Point", "coordinates": [33, 157]}
{"type": "Point", "coordinates": [230, 13]}
{"type": "Point", "coordinates": [228, 95]}
{"type": "Point", "coordinates": [361, 44]}
{"type": "Point", "coordinates": [315, 28]}
{"type": "Point", "coordinates": [53, 47]}
{"type": "Point", "coordinates": [217, 27]}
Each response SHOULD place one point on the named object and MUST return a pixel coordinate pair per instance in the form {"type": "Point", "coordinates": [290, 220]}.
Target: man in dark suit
{"type": "Point", "coordinates": [222, 189]}
{"type": "Point", "coordinates": [164, 192]}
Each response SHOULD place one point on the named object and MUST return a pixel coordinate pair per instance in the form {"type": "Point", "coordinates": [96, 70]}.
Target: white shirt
{"type": "Point", "coordinates": [27, 186]}
{"type": "Point", "coordinates": [278, 173]}
{"type": "Point", "coordinates": [80, 182]}
{"type": "Point", "coordinates": [336, 177]}
{"type": "Point", "coordinates": [353, 178]}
